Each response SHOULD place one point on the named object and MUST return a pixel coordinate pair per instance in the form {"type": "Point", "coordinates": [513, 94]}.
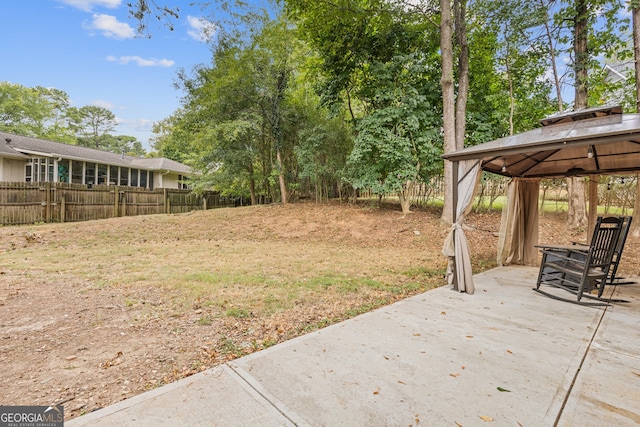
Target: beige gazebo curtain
{"type": "Point", "coordinates": [456, 247]}
{"type": "Point", "coordinates": [519, 226]}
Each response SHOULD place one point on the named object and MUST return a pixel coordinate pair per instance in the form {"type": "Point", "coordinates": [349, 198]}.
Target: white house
{"type": "Point", "coordinates": [617, 75]}
{"type": "Point", "coordinates": [26, 159]}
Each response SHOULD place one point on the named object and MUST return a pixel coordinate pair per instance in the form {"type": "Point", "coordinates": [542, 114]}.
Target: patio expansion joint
{"type": "Point", "coordinates": [255, 385]}
{"type": "Point", "coordinates": [575, 376]}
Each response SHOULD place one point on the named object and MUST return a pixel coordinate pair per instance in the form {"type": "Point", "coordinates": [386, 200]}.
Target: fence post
{"type": "Point", "coordinates": [124, 203]}
{"type": "Point", "coordinates": [204, 203]}
{"type": "Point", "coordinates": [63, 210]}
{"type": "Point", "coordinates": [116, 196]}
{"type": "Point", "coordinates": [165, 198]}
{"type": "Point", "coordinates": [47, 211]}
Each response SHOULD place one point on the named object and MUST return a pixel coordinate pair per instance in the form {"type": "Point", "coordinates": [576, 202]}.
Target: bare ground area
{"type": "Point", "coordinates": [92, 313]}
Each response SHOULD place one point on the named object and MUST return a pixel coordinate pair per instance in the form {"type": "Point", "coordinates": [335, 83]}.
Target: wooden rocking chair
{"type": "Point", "coordinates": [581, 269]}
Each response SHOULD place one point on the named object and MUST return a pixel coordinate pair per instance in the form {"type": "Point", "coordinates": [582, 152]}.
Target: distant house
{"type": "Point", "coordinates": [618, 72]}
{"type": "Point", "coordinates": [26, 159]}
{"type": "Point", "coordinates": [622, 91]}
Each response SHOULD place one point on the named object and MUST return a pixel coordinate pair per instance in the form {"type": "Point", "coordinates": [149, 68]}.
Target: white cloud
{"type": "Point", "coordinates": [142, 62]}
{"type": "Point", "coordinates": [200, 29]}
{"type": "Point", "coordinates": [88, 5]}
{"type": "Point", "coordinates": [110, 27]}
{"type": "Point", "coordinates": [101, 103]}
{"type": "Point", "coordinates": [141, 125]}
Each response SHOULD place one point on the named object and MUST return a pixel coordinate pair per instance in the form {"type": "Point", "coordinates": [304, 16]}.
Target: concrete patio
{"type": "Point", "coordinates": [505, 356]}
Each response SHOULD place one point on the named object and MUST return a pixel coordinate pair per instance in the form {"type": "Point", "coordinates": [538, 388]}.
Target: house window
{"type": "Point", "coordinates": [63, 171]}
{"type": "Point", "coordinates": [28, 171]}
{"type": "Point", "coordinates": [102, 174]}
{"type": "Point", "coordinates": [124, 176]}
{"type": "Point", "coordinates": [182, 182]}
{"type": "Point", "coordinates": [113, 175]}
{"type": "Point", "coordinates": [150, 180]}
{"type": "Point", "coordinates": [39, 170]}
{"type": "Point", "coordinates": [76, 172]}
{"type": "Point", "coordinates": [143, 179]}
{"type": "Point", "coordinates": [50, 169]}
{"type": "Point", "coordinates": [42, 176]}
{"type": "Point", "coordinates": [90, 173]}
{"type": "Point", "coordinates": [134, 177]}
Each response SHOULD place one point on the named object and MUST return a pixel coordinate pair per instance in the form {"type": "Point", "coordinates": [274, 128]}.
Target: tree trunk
{"type": "Point", "coordinates": [577, 213]}
{"type": "Point", "coordinates": [552, 56]}
{"type": "Point", "coordinates": [460, 11]}
{"type": "Point", "coordinates": [575, 186]}
{"type": "Point", "coordinates": [283, 184]}
{"type": "Point", "coordinates": [405, 202]}
{"type": "Point", "coordinates": [448, 106]}
{"type": "Point", "coordinates": [252, 185]}
{"type": "Point", "coordinates": [512, 103]}
{"type": "Point", "coordinates": [581, 60]}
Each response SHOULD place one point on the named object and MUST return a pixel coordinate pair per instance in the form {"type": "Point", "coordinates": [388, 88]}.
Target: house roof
{"type": "Point", "coordinates": [21, 146]}
{"type": "Point", "coordinates": [618, 71]}
{"type": "Point", "coordinates": [7, 150]}
{"type": "Point", "coordinates": [589, 141]}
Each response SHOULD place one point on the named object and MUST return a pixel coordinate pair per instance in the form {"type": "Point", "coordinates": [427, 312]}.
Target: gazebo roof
{"type": "Point", "coordinates": [589, 141]}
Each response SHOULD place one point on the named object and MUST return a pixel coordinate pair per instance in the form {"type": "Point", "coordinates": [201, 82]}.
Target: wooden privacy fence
{"type": "Point", "coordinates": [28, 203]}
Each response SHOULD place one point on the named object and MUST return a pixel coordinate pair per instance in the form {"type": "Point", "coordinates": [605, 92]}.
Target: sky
{"type": "Point", "coordinates": [90, 50]}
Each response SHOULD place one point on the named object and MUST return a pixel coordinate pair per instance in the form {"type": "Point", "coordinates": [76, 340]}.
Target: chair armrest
{"type": "Point", "coordinates": [575, 257]}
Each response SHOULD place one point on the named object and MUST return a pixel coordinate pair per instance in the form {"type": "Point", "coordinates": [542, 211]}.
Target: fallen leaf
{"type": "Point", "coordinates": [454, 375]}
{"type": "Point", "coordinates": [469, 336]}
{"type": "Point", "coordinates": [504, 390]}
{"type": "Point", "coordinates": [401, 382]}
{"type": "Point", "coordinates": [486, 418]}
{"type": "Point", "coordinates": [636, 373]}
{"type": "Point", "coordinates": [376, 391]}
{"type": "Point", "coordinates": [443, 312]}
{"type": "Point", "coordinates": [416, 335]}
{"type": "Point", "coordinates": [458, 424]}
{"type": "Point", "coordinates": [509, 351]}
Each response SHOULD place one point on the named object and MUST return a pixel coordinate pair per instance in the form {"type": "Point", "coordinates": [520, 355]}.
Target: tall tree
{"type": "Point", "coordinates": [595, 32]}
{"type": "Point", "coordinates": [91, 124]}
{"type": "Point", "coordinates": [454, 104]}
{"type": "Point", "coordinates": [577, 215]}
{"type": "Point", "coordinates": [237, 117]}
{"type": "Point", "coordinates": [24, 110]}
{"type": "Point", "coordinates": [57, 128]}
{"type": "Point", "coordinates": [398, 144]}
{"type": "Point", "coordinates": [379, 60]}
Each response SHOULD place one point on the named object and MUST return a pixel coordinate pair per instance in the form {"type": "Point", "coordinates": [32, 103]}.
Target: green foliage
{"type": "Point", "coordinates": [91, 123]}
{"type": "Point", "coordinates": [399, 141]}
{"type": "Point", "coordinates": [24, 110]}
{"type": "Point", "coordinates": [509, 58]}
{"type": "Point", "coordinates": [251, 119]}
{"type": "Point", "coordinates": [358, 34]}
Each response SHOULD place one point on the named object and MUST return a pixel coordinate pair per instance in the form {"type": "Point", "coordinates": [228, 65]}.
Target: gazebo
{"type": "Point", "coordinates": [587, 142]}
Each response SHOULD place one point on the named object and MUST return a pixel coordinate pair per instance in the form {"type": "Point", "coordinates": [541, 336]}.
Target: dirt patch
{"type": "Point", "coordinates": [96, 312]}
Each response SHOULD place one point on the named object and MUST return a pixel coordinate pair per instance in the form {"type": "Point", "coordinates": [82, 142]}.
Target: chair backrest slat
{"type": "Point", "coordinates": [604, 242]}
